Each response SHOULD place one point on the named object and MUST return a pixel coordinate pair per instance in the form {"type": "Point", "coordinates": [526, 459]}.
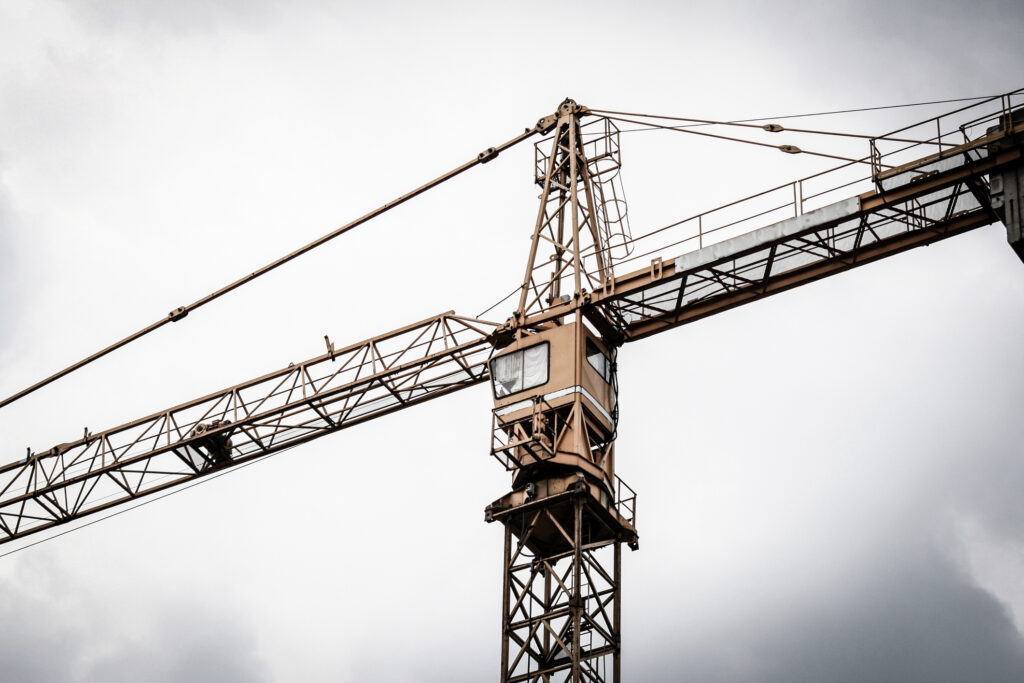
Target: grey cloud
{"type": "Point", "coordinates": [33, 642]}
{"type": "Point", "coordinates": [911, 615]}
{"type": "Point", "coordinates": [920, 621]}
{"type": "Point", "coordinates": [190, 643]}
{"type": "Point", "coordinates": [905, 606]}
{"type": "Point", "coordinates": [52, 627]}
{"type": "Point", "coordinates": [917, 619]}
{"type": "Point", "coordinates": [990, 491]}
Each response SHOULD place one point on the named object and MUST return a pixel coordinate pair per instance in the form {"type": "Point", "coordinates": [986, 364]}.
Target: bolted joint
{"type": "Point", "coordinates": [569, 107]}
{"type": "Point", "coordinates": [486, 155]}
{"type": "Point", "coordinates": [178, 313]}
{"type": "Point", "coordinates": [545, 124]}
{"type": "Point", "coordinates": [504, 334]}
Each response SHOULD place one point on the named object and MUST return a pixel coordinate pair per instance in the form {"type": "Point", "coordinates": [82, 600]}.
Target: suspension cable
{"type": "Point", "coordinates": [697, 123]}
{"type": "Point", "coordinates": [854, 111]}
{"type": "Point", "coordinates": [770, 127]}
{"type": "Point", "coordinates": [182, 311]}
{"type": "Point", "coordinates": [789, 149]}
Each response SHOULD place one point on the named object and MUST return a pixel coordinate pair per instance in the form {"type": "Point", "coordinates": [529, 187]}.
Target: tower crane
{"type": "Point", "coordinates": [589, 287]}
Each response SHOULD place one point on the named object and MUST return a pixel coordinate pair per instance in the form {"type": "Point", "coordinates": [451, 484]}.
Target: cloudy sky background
{"type": "Point", "coordinates": [829, 480]}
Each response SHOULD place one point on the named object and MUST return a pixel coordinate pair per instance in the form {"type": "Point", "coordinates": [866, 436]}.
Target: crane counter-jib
{"type": "Point", "coordinates": [914, 205]}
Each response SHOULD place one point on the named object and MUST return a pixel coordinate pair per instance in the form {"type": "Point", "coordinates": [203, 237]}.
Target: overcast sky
{"type": "Point", "coordinates": [829, 480]}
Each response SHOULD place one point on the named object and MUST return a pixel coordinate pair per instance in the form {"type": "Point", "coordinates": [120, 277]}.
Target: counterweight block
{"type": "Point", "coordinates": [1007, 186]}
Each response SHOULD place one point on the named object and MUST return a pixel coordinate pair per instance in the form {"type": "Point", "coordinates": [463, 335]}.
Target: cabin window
{"type": "Point", "coordinates": [520, 370]}
{"type": "Point", "coordinates": [599, 361]}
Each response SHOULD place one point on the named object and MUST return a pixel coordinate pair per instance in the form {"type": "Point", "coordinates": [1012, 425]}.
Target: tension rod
{"type": "Point", "coordinates": [542, 126]}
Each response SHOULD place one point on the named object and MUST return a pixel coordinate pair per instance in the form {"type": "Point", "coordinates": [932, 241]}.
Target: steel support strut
{"type": "Point", "coordinates": [560, 606]}
{"type": "Point", "coordinates": [564, 523]}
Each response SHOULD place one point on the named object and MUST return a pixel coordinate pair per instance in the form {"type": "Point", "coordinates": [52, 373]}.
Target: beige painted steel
{"type": "Point", "coordinates": [566, 500]}
{"type": "Point", "coordinates": [575, 397]}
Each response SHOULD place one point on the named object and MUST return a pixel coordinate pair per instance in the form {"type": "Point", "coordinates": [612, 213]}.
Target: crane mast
{"type": "Point", "coordinates": [554, 427]}
{"type": "Point", "coordinates": [552, 364]}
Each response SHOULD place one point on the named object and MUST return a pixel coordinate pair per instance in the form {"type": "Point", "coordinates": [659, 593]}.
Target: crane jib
{"type": "Point", "coordinates": [280, 410]}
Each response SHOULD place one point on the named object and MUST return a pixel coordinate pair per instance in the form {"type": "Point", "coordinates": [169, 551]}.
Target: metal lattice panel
{"type": "Point", "coordinates": [282, 409]}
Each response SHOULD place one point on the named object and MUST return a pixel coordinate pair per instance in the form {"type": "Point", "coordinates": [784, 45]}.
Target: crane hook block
{"type": "Point", "coordinates": [773, 128]}
{"type": "Point", "coordinates": [178, 313]}
{"type": "Point", "coordinates": [486, 155]}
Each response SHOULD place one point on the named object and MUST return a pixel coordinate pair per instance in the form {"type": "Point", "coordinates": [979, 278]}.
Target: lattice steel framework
{"type": "Point", "coordinates": [561, 607]}
{"type": "Point", "coordinates": [562, 579]}
{"type": "Point", "coordinates": [906, 202]}
{"type": "Point", "coordinates": [914, 196]}
{"type": "Point", "coordinates": [338, 389]}
{"type": "Point", "coordinates": [569, 220]}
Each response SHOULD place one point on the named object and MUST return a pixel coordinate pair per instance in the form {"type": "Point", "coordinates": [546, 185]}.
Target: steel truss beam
{"type": "Point", "coordinates": [917, 204]}
{"type": "Point", "coordinates": [567, 221]}
{"type": "Point", "coordinates": [280, 410]}
{"type": "Point", "coordinates": [560, 612]}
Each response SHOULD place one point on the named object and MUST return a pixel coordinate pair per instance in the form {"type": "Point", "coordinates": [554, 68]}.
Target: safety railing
{"type": "Point", "coordinates": [921, 146]}
{"type": "Point", "coordinates": [625, 501]}
{"type": "Point", "coordinates": [601, 146]}
{"type": "Point", "coordinates": [917, 148]}
{"type": "Point", "coordinates": [516, 439]}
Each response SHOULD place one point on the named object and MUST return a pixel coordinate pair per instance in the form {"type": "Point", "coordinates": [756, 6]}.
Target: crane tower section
{"type": "Point", "coordinates": [554, 426]}
{"type": "Point", "coordinates": [568, 513]}
{"type": "Point", "coordinates": [582, 223]}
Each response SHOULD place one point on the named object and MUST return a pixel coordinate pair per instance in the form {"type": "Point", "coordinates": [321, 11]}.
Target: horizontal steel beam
{"type": "Point", "coordinates": [748, 292]}
{"type": "Point", "coordinates": [937, 197]}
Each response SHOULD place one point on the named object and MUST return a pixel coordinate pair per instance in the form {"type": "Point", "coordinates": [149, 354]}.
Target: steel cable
{"type": "Point", "coordinates": [183, 311]}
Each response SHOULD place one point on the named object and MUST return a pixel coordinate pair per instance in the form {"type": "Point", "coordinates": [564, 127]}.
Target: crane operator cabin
{"type": "Point", "coordinates": [555, 416]}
